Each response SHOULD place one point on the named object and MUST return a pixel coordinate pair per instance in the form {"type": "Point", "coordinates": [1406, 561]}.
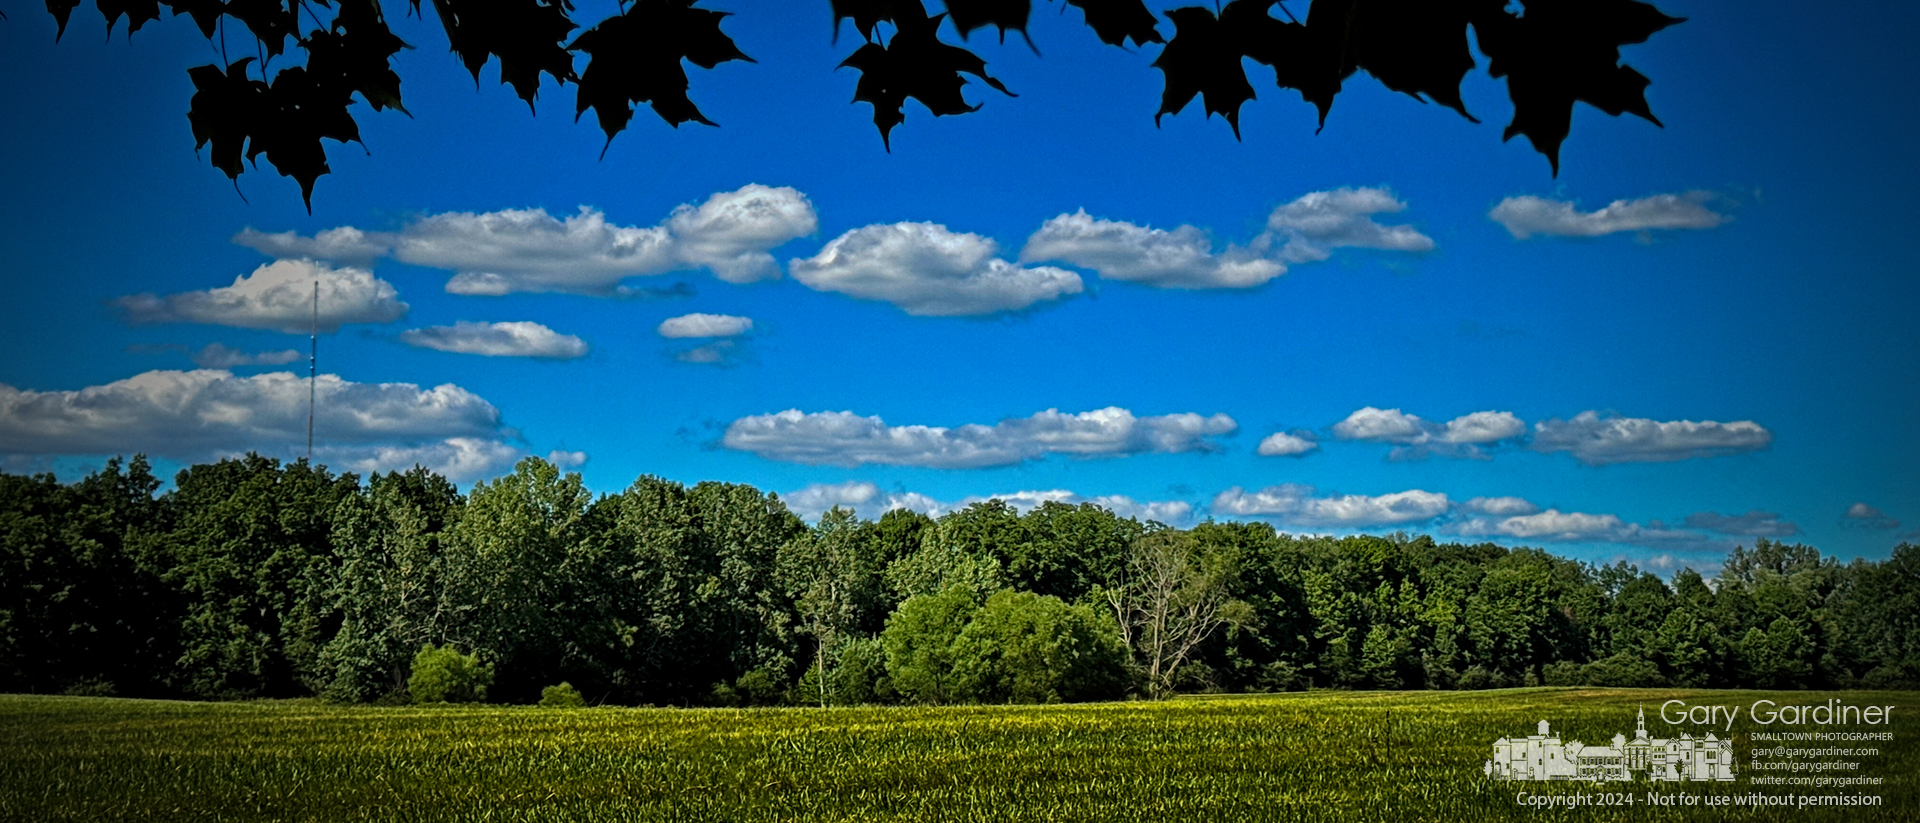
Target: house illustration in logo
{"type": "Point", "coordinates": [1544, 756]}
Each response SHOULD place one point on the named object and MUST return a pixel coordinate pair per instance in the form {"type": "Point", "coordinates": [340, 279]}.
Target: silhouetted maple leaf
{"type": "Point", "coordinates": [61, 10]}
{"type": "Point", "coordinates": [1561, 51]}
{"type": "Point", "coordinates": [1203, 58]}
{"type": "Point", "coordinates": [914, 64]}
{"type": "Point", "coordinates": [968, 15]}
{"type": "Point", "coordinates": [1417, 47]}
{"type": "Point", "coordinates": [865, 13]}
{"type": "Point", "coordinates": [206, 13]}
{"type": "Point", "coordinates": [284, 121]}
{"type": "Point", "coordinates": [524, 34]}
{"type": "Point", "coordinates": [1557, 52]}
{"type": "Point", "coordinates": [1315, 58]}
{"type": "Point", "coordinates": [268, 20]}
{"type": "Point", "coordinates": [1552, 53]}
{"type": "Point", "coordinates": [1114, 21]}
{"type": "Point", "coordinates": [355, 54]}
{"type": "Point", "coordinates": [137, 12]}
{"type": "Point", "coordinates": [295, 113]}
{"type": "Point", "coordinates": [635, 58]}
{"type": "Point", "coordinates": [224, 107]}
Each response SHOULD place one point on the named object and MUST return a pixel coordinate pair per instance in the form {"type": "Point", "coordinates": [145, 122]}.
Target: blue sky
{"type": "Point", "coordinates": [1706, 334]}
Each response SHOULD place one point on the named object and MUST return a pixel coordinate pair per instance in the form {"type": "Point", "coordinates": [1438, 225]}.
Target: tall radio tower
{"type": "Point", "coordinates": [313, 355]}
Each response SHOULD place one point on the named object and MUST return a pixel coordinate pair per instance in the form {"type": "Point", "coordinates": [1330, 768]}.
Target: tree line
{"type": "Point", "coordinates": [252, 578]}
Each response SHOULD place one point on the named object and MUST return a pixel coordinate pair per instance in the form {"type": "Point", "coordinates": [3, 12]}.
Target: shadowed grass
{"type": "Point", "coordinates": [1314, 756]}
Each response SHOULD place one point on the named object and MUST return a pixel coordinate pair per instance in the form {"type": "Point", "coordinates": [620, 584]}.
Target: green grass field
{"type": "Point", "coordinates": [1348, 756]}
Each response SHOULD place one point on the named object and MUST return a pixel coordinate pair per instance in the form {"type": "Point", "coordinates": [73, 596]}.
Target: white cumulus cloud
{"type": "Point", "coordinates": [1526, 215]}
{"type": "Point", "coordinates": [1181, 258]}
{"type": "Point", "coordinates": [1499, 506]}
{"type": "Point", "coordinates": [818, 498]}
{"type": "Point", "coordinates": [1508, 519]}
{"type": "Point", "coordinates": [1598, 440]}
{"type": "Point", "coordinates": [1556, 526]}
{"type": "Point", "coordinates": [344, 245]}
{"type": "Point", "coordinates": [528, 250]}
{"type": "Point", "coordinates": [1417, 438]}
{"type": "Point", "coordinates": [717, 353]}
{"type": "Point", "coordinates": [1311, 227]}
{"type": "Point", "coordinates": [566, 459]}
{"type": "Point", "coordinates": [277, 296]}
{"type": "Point", "coordinates": [1552, 524]}
{"type": "Point", "coordinates": [217, 356]}
{"type": "Point", "coordinates": [1752, 524]}
{"type": "Point", "coordinates": [868, 500]}
{"type": "Point", "coordinates": [1165, 511]}
{"type": "Point", "coordinates": [206, 414]}
{"type": "Point", "coordinates": [1300, 505]}
{"type": "Point", "coordinates": [1863, 516]}
{"type": "Point", "coordinates": [460, 459]}
{"type": "Point", "coordinates": [517, 339]}
{"type": "Point", "coordinates": [732, 232]}
{"type": "Point", "coordinates": [847, 439]}
{"type": "Point", "coordinates": [705, 325]}
{"type": "Point", "coordinates": [927, 270]}
{"type": "Point", "coordinates": [1287, 444]}
{"type": "Point", "coordinates": [863, 498]}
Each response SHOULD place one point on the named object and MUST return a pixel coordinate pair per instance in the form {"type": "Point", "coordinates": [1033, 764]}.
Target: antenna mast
{"type": "Point", "coordinates": [313, 355]}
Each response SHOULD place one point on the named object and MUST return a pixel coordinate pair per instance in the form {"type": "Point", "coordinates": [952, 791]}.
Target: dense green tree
{"type": "Point", "coordinates": [861, 676]}
{"type": "Point", "coordinates": [750, 615]}
{"type": "Point", "coordinates": [898, 533]}
{"type": "Point", "coordinates": [1509, 620]}
{"type": "Point", "coordinates": [1638, 606]}
{"type": "Point", "coordinates": [510, 573]}
{"type": "Point", "coordinates": [653, 586]}
{"type": "Point", "coordinates": [253, 560]}
{"type": "Point", "coordinates": [965, 548]}
{"type": "Point", "coordinates": [687, 597]}
{"type": "Point", "coordinates": [1882, 620]}
{"type": "Point", "coordinates": [1776, 657]}
{"type": "Point", "coordinates": [254, 578]}
{"type": "Point", "coordinates": [1350, 587]}
{"type": "Point", "coordinates": [392, 540]}
{"type": "Point", "coordinates": [831, 574]}
{"type": "Point", "coordinates": [1267, 650]}
{"type": "Point", "coordinates": [82, 607]}
{"type": "Point", "coordinates": [1068, 550]}
{"type": "Point", "coordinates": [29, 567]}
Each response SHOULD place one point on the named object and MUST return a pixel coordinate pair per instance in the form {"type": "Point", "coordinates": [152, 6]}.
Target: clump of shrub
{"type": "Point", "coordinates": [1619, 671]}
{"type": "Point", "coordinates": [563, 696]}
{"type": "Point", "coordinates": [90, 687]}
{"type": "Point", "coordinates": [1031, 648]}
{"type": "Point", "coordinates": [444, 675]}
{"type": "Point", "coordinates": [1017, 647]}
{"type": "Point", "coordinates": [761, 686]}
{"type": "Point", "coordinates": [1480, 677]}
{"type": "Point", "coordinates": [856, 674]}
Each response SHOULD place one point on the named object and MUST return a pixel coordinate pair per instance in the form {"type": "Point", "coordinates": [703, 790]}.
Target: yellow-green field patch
{"type": "Point", "coordinates": [1311, 756]}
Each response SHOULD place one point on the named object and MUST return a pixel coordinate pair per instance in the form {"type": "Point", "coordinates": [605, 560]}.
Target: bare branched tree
{"type": "Point", "coordinates": [1176, 591]}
